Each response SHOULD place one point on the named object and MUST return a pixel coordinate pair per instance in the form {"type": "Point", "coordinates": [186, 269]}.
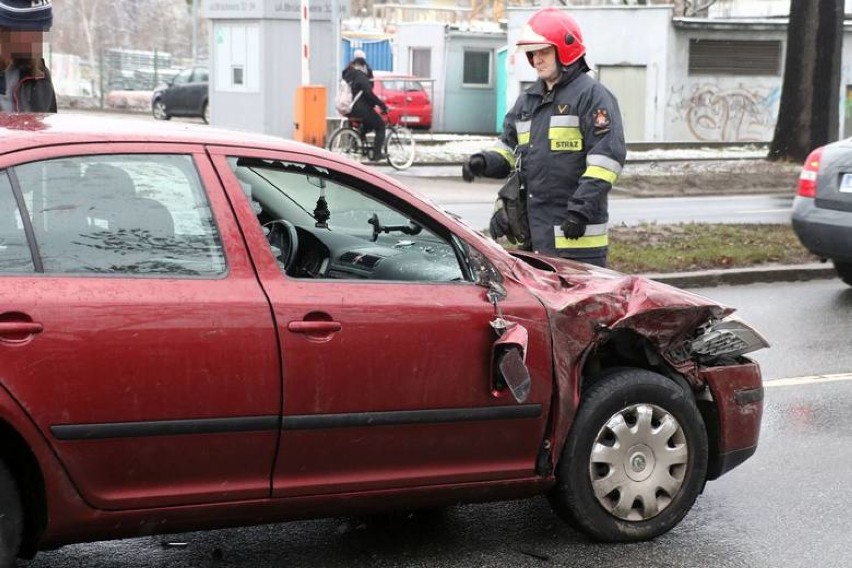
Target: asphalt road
{"type": "Point", "coordinates": [474, 202]}
{"type": "Point", "coordinates": [787, 506]}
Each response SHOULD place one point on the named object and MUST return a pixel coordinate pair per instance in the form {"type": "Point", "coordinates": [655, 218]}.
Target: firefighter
{"type": "Point", "coordinates": [562, 143]}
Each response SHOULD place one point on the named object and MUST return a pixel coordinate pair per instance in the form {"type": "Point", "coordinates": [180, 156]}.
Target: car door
{"type": "Point", "coordinates": [138, 338]}
{"type": "Point", "coordinates": [387, 380]}
{"type": "Point", "coordinates": [197, 91]}
{"type": "Point", "coordinates": [175, 97]}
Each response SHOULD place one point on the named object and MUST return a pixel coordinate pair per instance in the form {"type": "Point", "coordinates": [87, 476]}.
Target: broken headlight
{"type": "Point", "coordinates": [725, 339]}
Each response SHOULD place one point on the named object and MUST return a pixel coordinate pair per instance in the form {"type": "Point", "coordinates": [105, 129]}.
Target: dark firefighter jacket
{"type": "Point", "coordinates": [569, 146]}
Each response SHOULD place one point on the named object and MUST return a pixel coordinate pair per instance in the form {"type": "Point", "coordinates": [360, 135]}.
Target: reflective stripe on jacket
{"type": "Point", "coordinates": [571, 149]}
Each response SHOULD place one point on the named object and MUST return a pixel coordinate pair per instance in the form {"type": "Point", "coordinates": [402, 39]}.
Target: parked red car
{"type": "Point", "coordinates": [203, 328]}
{"type": "Point", "coordinates": [407, 99]}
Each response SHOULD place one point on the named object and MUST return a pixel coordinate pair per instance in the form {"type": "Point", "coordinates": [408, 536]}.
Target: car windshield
{"type": "Point", "coordinates": [401, 85]}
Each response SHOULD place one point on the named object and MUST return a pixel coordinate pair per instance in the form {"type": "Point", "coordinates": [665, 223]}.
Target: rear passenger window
{"type": "Point", "coordinates": [121, 214]}
{"type": "Point", "coordinates": [15, 255]}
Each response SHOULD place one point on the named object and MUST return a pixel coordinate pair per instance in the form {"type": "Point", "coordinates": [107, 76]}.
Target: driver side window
{"type": "Point", "coordinates": [318, 226]}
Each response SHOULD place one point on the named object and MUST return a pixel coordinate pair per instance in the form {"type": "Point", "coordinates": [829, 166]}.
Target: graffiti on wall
{"type": "Point", "coordinates": [714, 113]}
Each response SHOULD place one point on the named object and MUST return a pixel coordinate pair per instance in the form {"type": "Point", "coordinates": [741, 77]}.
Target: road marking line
{"type": "Point", "coordinates": [814, 379]}
{"type": "Point", "coordinates": [752, 211]}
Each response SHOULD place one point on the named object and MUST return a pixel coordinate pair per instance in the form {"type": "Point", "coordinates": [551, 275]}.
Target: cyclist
{"type": "Point", "coordinates": [364, 109]}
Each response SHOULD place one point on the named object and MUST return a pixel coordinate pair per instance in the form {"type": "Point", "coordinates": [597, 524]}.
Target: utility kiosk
{"type": "Point", "coordinates": [256, 56]}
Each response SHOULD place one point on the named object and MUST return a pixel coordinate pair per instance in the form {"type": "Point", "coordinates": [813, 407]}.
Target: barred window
{"type": "Point", "coordinates": [727, 57]}
{"type": "Point", "coordinates": [477, 68]}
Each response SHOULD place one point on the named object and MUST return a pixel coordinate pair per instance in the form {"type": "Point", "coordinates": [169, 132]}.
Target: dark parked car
{"type": "Point", "coordinates": [185, 95]}
{"type": "Point", "coordinates": [822, 209]}
{"type": "Point", "coordinates": [203, 328]}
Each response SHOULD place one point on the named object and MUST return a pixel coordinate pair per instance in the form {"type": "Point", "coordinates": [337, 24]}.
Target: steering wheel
{"type": "Point", "coordinates": [282, 235]}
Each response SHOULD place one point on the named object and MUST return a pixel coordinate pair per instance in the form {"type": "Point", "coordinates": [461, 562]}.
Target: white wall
{"type": "Point", "coordinates": [754, 8]}
{"type": "Point", "coordinates": [425, 35]}
{"type": "Point", "coordinates": [721, 108]}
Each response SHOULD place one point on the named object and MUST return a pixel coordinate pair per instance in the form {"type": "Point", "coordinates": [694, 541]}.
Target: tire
{"type": "Point", "coordinates": [844, 270]}
{"type": "Point", "coordinates": [205, 112]}
{"type": "Point", "coordinates": [346, 142]}
{"type": "Point", "coordinates": [11, 518]}
{"type": "Point", "coordinates": [399, 147]}
{"type": "Point", "coordinates": [158, 109]}
{"type": "Point", "coordinates": [637, 434]}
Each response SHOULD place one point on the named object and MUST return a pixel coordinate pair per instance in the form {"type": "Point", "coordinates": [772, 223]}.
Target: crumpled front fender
{"type": "Point", "coordinates": [585, 304]}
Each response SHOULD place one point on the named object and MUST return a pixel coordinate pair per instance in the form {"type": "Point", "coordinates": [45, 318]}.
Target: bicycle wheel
{"type": "Point", "coordinates": [399, 146]}
{"type": "Point", "coordinates": [347, 142]}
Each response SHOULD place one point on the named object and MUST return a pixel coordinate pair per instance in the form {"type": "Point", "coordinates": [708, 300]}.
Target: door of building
{"type": "Point", "coordinates": [627, 83]}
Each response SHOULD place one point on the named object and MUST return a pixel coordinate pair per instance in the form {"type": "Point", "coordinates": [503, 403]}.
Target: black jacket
{"type": "Point", "coordinates": [360, 83]}
{"type": "Point", "coordinates": [34, 91]}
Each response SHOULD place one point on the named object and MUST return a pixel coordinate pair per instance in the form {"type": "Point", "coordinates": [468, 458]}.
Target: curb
{"type": "Point", "coordinates": [751, 275]}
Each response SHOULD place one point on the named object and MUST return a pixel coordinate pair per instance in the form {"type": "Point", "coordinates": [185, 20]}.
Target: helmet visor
{"type": "Point", "coordinates": [528, 47]}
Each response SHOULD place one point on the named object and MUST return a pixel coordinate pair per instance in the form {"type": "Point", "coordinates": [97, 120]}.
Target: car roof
{"type": "Point", "coordinates": [392, 75]}
{"type": "Point", "coordinates": [23, 131]}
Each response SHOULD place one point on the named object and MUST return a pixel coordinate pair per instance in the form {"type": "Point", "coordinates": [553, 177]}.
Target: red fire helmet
{"type": "Point", "coordinates": [552, 26]}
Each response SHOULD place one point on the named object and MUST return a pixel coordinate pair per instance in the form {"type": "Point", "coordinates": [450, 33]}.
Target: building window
{"type": "Point", "coordinates": [477, 68]}
{"type": "Point", "coordinates": [725, 57]}
{"type": "Point", "coordinates": [421, 61]}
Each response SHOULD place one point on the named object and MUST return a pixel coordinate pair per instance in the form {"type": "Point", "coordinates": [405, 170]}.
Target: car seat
{"type": "Point", "coordinates": [114, 199]}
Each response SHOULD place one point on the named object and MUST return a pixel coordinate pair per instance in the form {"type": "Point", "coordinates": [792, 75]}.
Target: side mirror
{"type": "Point", "coordinates": [508, 367]}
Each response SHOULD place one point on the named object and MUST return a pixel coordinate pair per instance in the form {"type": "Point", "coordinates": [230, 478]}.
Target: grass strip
{"type": "Point", "coordinates": [652, 247]}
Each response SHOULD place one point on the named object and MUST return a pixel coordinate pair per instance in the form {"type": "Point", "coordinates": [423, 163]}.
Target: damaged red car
{"type": "Point", "coordinates": [204, 329]}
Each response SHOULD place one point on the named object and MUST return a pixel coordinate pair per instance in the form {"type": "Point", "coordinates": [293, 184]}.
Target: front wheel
{"type": "Point", "coordinates": [346, 141]}
{"type": "Point", "coordinates": [844, 270]}
{"type": "Point", "coordinates": [205, 112]}
{"type": "Point", "coordinates": [11, 518]}
{"type": "Point", "coordinates": [158, 109]}
{"type": "Point", "coordinates": [399, 147]}
{"type": "Point", "coordinates": [635, 460]}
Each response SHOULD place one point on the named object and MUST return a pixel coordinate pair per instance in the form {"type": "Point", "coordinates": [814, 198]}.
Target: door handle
{"type": "Point", "coordinates": [314, 327]}
{"type": "Point", "coordinates": [18, 331]}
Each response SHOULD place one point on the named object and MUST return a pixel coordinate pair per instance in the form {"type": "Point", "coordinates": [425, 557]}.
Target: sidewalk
{"type": "Point", "coordinates": [751, 275]}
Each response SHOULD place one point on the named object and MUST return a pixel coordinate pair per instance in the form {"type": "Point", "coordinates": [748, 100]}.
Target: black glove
{"type": "Point", "coordinates": [574, 226]}
{"type": "Point", "coordinates": [499, 226]}
{"type": "Point", "coordinates": [475, 166]}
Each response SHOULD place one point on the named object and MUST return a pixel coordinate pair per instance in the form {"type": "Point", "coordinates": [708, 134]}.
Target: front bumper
{"type": "Point", "coordinates": [734, 420]}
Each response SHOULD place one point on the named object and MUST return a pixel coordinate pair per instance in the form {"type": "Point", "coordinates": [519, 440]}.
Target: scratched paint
{"type": "Point", "coordinates": [723, 110]}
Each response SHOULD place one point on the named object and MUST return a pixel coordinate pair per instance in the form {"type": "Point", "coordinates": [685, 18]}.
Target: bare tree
{"type": "Point", "coordinates": [84, 27]}
{"type": "Point", "coordinates": [808, 115]}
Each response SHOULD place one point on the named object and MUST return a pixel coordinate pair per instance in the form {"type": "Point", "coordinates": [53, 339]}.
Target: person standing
{"type": "Point", "coordinates": [25, 84]}
{"type": "Point", "coordinates": [365, 102]}
{"type": "Point", "coordinates": [563, 143]}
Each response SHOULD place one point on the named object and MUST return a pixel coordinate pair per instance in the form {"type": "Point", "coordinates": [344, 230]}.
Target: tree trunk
{"type": "Point", "coordinates": [808, 114]}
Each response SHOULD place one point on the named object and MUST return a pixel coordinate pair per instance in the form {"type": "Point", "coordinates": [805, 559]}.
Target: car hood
{"type": "Point", "coordinates": [602, 298]}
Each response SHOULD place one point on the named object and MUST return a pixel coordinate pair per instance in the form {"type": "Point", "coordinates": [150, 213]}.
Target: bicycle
{"type": "Point", "coordinates": [349, 141]}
